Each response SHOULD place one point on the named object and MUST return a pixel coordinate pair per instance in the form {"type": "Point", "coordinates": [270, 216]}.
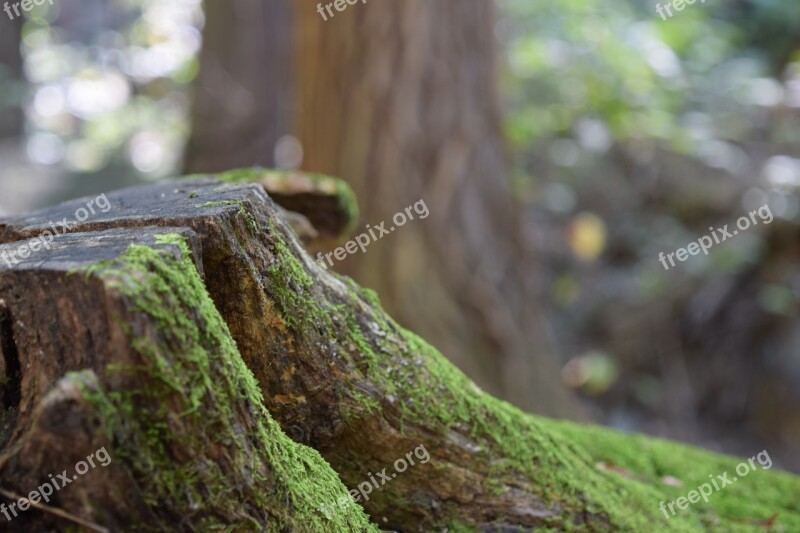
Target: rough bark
{"type": "Point", "coordinates": [120, 348]}
{"type": "Point", "coordinates": [339, 375]}
{"type": "Point", "coordinates": [401, 100]}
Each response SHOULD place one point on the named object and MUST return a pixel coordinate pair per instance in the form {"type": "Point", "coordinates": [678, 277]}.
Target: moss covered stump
{"type": "Point", "coordinates": [121, 348]}
{"type": "Point", "coordinates": [316, 366]}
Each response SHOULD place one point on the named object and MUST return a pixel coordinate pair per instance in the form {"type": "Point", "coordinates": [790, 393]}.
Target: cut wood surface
{"type": "Point", "coordinates": [111, 340]}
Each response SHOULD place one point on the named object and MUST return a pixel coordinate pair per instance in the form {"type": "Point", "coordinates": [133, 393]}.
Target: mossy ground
{"type": "Point", "coordinates": [196, 387]}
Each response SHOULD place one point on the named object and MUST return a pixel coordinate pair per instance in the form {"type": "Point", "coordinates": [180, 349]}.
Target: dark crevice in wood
{"type": "Point", "coordinates": [12, 377]}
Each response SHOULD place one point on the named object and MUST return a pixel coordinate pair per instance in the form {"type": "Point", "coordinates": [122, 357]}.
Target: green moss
{"type": "Point", "coordinates": [744, 505]}
{"type": "Point", "coordinates": [556, 461]}
{"type": "Point", "coordinates": [455, 526]}
{"type": "Point", "coordinates": [289, 285]}
{"type": "Point", "coordinates": [348, 202]}
{"type": "Point", "coordinates": [177, 432]}
{"type": "Point", "coordinates": [560, 459]}
{"type": "Point", "coordinates": [243, 212]}
{"type": "Point", "coordinates": [346, 198]}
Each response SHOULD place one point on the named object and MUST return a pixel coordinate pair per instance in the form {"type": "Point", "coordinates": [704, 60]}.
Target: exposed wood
{"type": "Point", "coordinates": [327, 204]}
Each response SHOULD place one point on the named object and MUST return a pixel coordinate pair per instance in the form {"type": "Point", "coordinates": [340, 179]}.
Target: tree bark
{"type": "Point", "coordinates": [401, 100]}
{"type": "Point", "coordinates": [121, 349]}
{"type": "Point", "coordinates": [335, 371]}
{"type": "Point", "coordinates": [242, 99]}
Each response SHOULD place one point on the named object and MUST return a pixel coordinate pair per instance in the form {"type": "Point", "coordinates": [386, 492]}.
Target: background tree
{"type": "Point", "coordinates": [401, 101]}
{"type": "Point", "coordinates": [242, 95]}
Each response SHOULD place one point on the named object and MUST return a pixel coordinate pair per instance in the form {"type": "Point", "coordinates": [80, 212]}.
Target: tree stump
{"type": "Point", "coordinates": [236, 384]}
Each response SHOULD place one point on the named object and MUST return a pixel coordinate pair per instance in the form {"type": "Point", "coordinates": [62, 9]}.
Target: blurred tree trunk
{"type": "Point", "coordinates": [242, 94]}
{"type": "Point", "coordinates": [400, 99]}
{"type": "Point", "coordinates": [11, 119]}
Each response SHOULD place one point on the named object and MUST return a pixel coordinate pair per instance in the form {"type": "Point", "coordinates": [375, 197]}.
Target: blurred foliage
{"type": "Point", "coordinates": [596, 71]}
{"type": "Point", "coordinates": [633, 135]}
{"type": "Point", "coordinates": [110, 87]}
{"type": "Point", "coordinates": [603, 94]}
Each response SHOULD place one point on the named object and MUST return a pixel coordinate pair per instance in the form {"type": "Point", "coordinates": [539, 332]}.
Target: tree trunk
{"type": "Point", "coordinates": [400, 99]}
{"type": "Point", "coordinates": [242, 100]}
{"type": "Point", "coordinates": [194, 446]}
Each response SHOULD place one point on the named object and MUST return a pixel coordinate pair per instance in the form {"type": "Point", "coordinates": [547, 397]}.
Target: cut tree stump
{"type": "Point", "coordinates": [120, 348]}
{"type": "Point", "coordinates": [121, 336]}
